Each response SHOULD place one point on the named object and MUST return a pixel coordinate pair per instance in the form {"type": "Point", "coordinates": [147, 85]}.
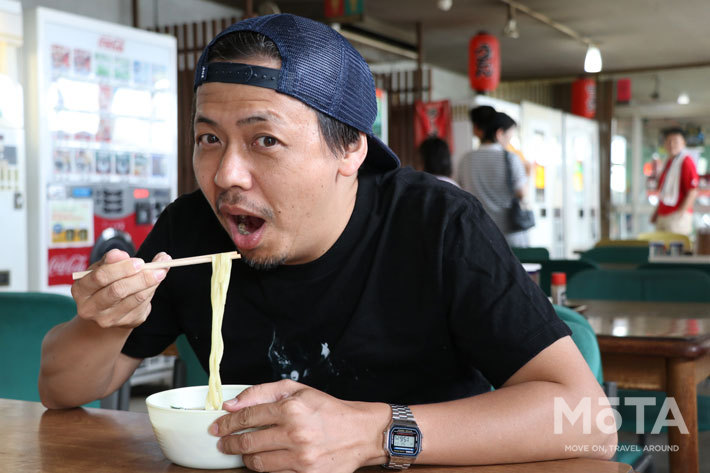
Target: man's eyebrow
{"type": "Point", "coordinates": [203, 119]}
{"type": "Point", "coordinates": [260, 117]}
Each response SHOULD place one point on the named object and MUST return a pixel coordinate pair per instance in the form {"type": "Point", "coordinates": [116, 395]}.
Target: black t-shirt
{"type": "Point", "coordinates": [419, 300]}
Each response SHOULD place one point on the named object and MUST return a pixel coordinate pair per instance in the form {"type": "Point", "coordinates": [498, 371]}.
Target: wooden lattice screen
{"type": "Point", "coordinates": [401, 87]}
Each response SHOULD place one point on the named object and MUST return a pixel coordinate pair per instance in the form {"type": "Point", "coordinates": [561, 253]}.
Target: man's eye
{"type": "Point", "coordinates": [267, 141]}
{"type": "Point", "coordinates": [207, 139]}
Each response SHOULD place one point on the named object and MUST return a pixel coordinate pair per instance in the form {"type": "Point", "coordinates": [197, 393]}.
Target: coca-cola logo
{"type": "Point", "coordinates": [113, 43]}
{"type": "Point", "coordinates": [61, 265]}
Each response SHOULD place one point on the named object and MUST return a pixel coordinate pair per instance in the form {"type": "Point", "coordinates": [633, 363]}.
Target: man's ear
{"type": "Point", "coordinates": [354, 156]}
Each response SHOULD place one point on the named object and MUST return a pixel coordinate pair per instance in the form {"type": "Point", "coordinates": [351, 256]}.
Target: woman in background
{"type": "Point", "coordinates": [484, 173]}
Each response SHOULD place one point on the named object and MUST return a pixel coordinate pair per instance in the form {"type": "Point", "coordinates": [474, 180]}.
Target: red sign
{"type": "Point", "coordinates": [623, 90]}
{"type": "Point", "coordinates": [432, 119]}
{"type": "Point", "coordinates": [334, 8]}
{"type": "Point", "coordinates": [62, 262]}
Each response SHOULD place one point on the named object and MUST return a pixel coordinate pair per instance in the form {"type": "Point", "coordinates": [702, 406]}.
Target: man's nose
{"type": "Point", "coordinates": [234, 169]}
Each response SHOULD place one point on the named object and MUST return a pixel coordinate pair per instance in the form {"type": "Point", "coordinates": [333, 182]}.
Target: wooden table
{"type": "Point", "coordinates": [657, 346]}
{"type": "Point", "coordinates": [33, 439]}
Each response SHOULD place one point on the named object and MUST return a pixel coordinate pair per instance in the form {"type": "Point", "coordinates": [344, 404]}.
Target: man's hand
{"type": "Point", "coordinates": [305, 430]}
{"type": "Point", "coordinates": [117, 293]}
{"type": "Point", "coordinates": [654, 216]}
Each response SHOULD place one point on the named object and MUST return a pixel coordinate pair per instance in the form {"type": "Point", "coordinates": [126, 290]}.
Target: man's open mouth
{"type": "Point", "coordinates": [248, 224]}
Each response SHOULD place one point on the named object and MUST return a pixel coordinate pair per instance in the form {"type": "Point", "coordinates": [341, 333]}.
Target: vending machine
{"type": "Point", "coordinates": [13, 210]}
{"type": "Point", "coordinates": [102, 140]}
{"type": "Point", "coordinates": [541, 130]}
{"type": "Point", "coordinates": [581, 184]}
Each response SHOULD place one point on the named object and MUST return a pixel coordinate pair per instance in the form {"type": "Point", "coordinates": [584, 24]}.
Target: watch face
{"type": "Point", "coordinates": [404, 441]}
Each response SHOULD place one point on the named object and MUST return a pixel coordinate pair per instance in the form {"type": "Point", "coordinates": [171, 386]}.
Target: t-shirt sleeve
{"type": "Point", "coordinates": [689, 175]}
{"type": "Point", "coordinates": [499, 318]}
{"type": "Point", "coordinates": [160, 329]}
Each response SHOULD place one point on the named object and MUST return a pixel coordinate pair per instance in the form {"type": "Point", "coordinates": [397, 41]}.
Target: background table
{"type": "Point", "coordinates": [33, 439]}
{"type": "Point", "coordinates": [657, 346]}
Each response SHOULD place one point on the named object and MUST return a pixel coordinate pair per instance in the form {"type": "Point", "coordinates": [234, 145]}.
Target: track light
{"type": "Point", "coordinates": [511, 27]}
{"type": "Point", "coordinates": [593, 59]}
{"type": "Point", "coordinates": [444, 5]}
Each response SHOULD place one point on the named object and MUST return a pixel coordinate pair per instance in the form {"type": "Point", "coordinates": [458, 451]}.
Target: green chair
{"type": "Point", "coordinates": [531, 254]}
{"type": "Point", "coordinates": [610, 242]}
{"type": "Point", "coordinates": [670, 266]}
{"type": "Point", "coordinates": [586, 340]}
{"type": "Point", "coordinates": [617, 256]}
{"type": "Point", "coordinates": [25, 318]}
{"type": "Point", "coordinates": [188, 371]}
{"type": "Point", "coordinates": [681, 285]}
{"type": "Point", "coordinates": [568, 266]}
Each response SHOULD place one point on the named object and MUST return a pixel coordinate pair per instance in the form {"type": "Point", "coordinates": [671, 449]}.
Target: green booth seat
{"type": "Point", "coordinates": [586, 340]}
{"type": "Point", "coordinates": [531, 254]}
{"type": "Point", "coordinates": [679, 285]}
{"type": "Point", "coordinates": [671, 266]}
{"type": "Point", "coordinates": [568, 266]}
{"type": "Point", "coordinates": [25, 318]}
{"type": "Point", "coordinates": [188, 371]}
{"type": "Point", "coordinates": [622, 257]}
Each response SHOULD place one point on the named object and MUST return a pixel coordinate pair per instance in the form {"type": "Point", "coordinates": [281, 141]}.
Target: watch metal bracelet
{"type": "Point", "coordinates": [402, 414]}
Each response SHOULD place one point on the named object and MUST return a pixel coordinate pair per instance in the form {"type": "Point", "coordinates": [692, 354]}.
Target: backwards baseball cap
{"type": "Point", "coordinates": [318, 67]}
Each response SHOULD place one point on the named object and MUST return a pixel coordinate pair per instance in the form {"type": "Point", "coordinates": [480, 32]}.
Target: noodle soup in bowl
{"type": "Point", "coordinates": [180, 424]}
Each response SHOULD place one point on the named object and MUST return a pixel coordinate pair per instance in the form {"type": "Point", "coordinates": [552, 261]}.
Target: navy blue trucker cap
{"type": "Point", "coordinates": [319, 67]}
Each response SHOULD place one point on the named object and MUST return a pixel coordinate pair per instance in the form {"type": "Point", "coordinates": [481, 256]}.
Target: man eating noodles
{"type": "Point", "coordinates": [374, 307]}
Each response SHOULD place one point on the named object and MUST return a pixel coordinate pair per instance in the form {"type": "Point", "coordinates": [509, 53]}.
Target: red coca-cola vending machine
{"type": "Point", "coordinates": [101, 140]}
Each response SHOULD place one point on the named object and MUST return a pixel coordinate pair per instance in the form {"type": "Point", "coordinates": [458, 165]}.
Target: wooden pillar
{"type": "Point", "coordinates": [418, 78]}
{"type": "Point", "coordinates": [134, 13]}
{"type": "Point", "coordinates": [605, 113]}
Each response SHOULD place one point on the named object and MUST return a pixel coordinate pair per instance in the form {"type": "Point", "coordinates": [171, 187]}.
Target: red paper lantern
{"type": "Point", "coordinates": [584, 97]}
{"type": "Point", "coordinates": [623, 90]}
{"type": "Point", "coordinates": [484, 62]}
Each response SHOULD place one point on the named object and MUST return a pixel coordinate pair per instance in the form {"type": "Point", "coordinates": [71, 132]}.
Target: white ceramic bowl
{"type": "Point", "coordinates": [182, 433]}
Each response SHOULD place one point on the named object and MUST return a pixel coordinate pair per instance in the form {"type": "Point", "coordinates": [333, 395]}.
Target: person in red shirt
{"type": "Point", "coordinates": [677, 187]}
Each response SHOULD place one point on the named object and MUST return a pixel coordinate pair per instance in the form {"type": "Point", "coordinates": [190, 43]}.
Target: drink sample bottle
{"type": "Point", "coordinates": [558, 288]}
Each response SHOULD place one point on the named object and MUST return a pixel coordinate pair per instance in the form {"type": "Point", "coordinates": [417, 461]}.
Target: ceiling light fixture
{"type": "Point", "coordinates": [444, 5]}
{"type": "Point", "coordinates": [511, 26]}
{"type": "Point", "coordinates": [683, 98]}
{"type": "Point", "coordinates": [593, 59]}
{"type": "Point", "coordinates": [591, 47]}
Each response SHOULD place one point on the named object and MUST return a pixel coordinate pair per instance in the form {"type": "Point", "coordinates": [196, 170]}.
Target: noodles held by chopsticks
{"type": "Point", "coordinates": [221, 270]}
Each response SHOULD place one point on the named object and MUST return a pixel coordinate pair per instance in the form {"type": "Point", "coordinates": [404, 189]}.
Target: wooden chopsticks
{"type": "Point", "coordinates": [169, 264]}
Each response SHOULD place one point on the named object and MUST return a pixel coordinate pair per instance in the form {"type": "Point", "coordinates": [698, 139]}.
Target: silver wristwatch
{"type": "Point", "coordinates": [403, 439]}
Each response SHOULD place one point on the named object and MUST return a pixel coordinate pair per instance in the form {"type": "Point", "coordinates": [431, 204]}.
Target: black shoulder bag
{"type": "Point", "coordinates": [520, 218]}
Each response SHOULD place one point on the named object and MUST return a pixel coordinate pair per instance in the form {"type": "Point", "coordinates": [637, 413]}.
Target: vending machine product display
{"type": "Point", "coordinates": [581, 184]}
{"type": "Point", "coordinates": [13, 230]}
{"type": "Point", "coordinates": [541, 129]}
{"type": "Point", "coordinates": [102, 140]}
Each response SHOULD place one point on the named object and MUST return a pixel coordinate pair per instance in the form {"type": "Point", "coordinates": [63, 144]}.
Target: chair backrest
{"type": "Point", "coordinates": [531, 254]}
{"type": "Point", "coordinates": [25, 318]}
{"type": "Point", "coordinates": [610, 242]}
{"type": "Point", "coordinates": [679, 285]}
{"type": "Point", "coordinates": [584, 337]}
{"type": "Point", "coordinates": [568, 266]}
{"type": "Point", "coordinates": [195, 374]}
{"type": "Point", "coordinates": [617, 255]}
{"type": "Point", "coordinates": [705, 268]}
{"type": "Point", "coordinates": [666, 237]}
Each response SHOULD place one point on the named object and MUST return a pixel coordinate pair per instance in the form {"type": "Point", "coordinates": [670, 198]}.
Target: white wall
{"type": "Point", "coordinates": [164, 12]}
{"type": "Point", "coordinates": [445, 84]}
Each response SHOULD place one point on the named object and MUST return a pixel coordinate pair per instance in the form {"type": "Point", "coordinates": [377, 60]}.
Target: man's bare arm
{"type": "Point", "coordinates": [81, 359]}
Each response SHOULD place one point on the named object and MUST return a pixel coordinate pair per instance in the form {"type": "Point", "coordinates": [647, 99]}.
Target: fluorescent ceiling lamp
{"type": "Point", "coordinates": [683, 99]}
{"type": "Point", "coordinates": [593, 59]}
